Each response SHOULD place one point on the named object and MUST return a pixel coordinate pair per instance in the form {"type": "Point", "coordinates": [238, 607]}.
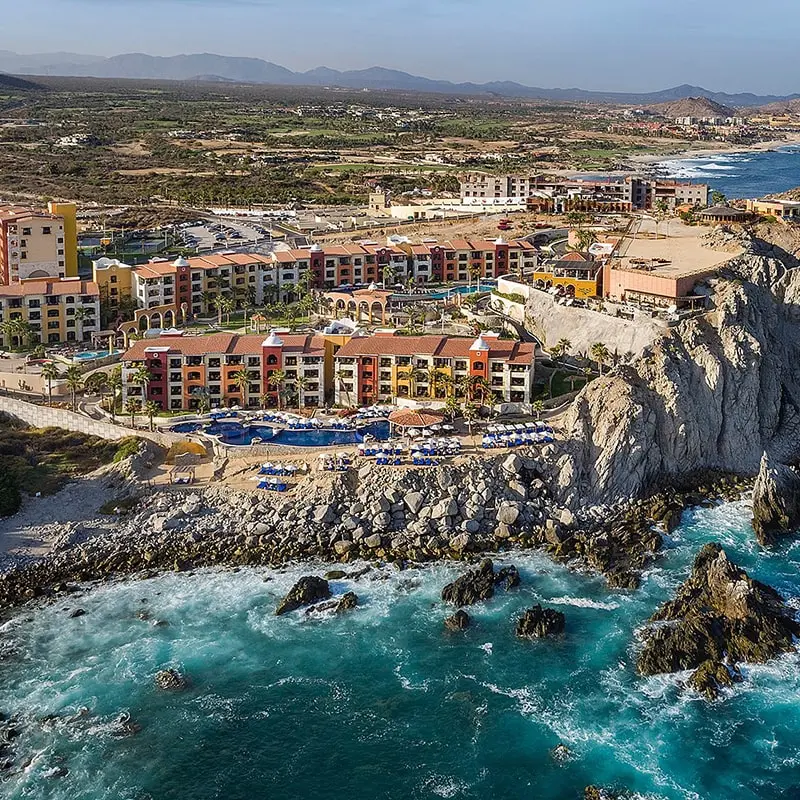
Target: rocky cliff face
{"type": "Point", "coordinates": [776, 500]}
{"type": "Point", "coordinates": [712, 394]}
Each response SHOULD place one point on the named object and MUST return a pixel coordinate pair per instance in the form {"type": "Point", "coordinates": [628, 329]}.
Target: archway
{"type": "Point", "coordinates": [156, 320]}
{"type": "Point", "coordinates": [363, 311]}
{"type": "Point", "coordinates": [169, 319]}
{"type": "Point", "coordinates": [376, 315]}
{"type": "Point", "coordinates": [144, 322]}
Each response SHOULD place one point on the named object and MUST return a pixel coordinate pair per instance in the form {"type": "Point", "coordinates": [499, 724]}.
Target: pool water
{"type": "Point", "coordinates": [234, 433]}
{"type": "Point", "coordinates": [93, 355]}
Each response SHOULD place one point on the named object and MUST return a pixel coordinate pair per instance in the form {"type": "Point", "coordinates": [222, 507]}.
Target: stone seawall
{"type": "Point", "coordinates": [43, 417]}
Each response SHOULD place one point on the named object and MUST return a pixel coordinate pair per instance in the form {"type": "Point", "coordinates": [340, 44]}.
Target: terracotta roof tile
{"type": "Point", "coordinates": [53, 287]}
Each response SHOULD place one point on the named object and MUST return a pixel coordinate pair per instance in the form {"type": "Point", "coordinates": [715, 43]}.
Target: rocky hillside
{"type": "Point", "coordinates": [712, 394]}
{"type": "Point", "coordinates": [693, 107]}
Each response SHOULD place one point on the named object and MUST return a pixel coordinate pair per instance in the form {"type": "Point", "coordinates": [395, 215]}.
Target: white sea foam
{"type": "Point", "coordinates": [583, 602]}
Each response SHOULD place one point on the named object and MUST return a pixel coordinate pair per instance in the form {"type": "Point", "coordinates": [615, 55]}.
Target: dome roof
{"type": "Point", "coordinates": [500, 240]}
{"type": "Point", "coordinates": [273, 340]}
{"type": "Point", "coordinates": [373, 286]}
{"type": "Point", "coordinates": [315, 248]}
{"type": "Point", "coordinates": [479, 344]}
{"type": "Point", "coordinates": [180, 261]}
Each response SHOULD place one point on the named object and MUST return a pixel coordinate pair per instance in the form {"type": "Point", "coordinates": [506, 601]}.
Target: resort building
{"type": "Point", "coordinates": [784, 210]}
{"type": "Point", "coordinates": [166, 293]}
{"type": "Point", "coordinates": [48, 312]}
{"type": "Point", "coordinates": [38, 244]}
{"type": "Point", "coordinates": [611, 195]}
{"type": "Point", "coordinates": [386, 365]}
{"type": "Point", "coordinates": [573, 274]}
{"type": "Point", "coordinates": [185, 372]}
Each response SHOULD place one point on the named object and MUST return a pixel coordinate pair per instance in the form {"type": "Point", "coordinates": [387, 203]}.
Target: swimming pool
{"type": "Point", "coordinates": [93, 355]}
{"type": "Point", "coordinates": [234, 433]}
{"type": "Point", "coordinates": [485, 286]}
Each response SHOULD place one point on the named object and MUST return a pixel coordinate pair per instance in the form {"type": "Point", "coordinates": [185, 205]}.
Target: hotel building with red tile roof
{"type": "Point", "coordinates": [385, 365]}
{"type": "Point", "coordinates": [184, 371]}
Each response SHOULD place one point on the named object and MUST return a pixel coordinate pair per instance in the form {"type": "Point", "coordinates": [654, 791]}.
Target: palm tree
{"type": "Point", "coordinates": [432, 376]}
{"type": "Point", "coordinates": [151, 409]}
{"type": "Point", "coordinates": [562, 348]}
{"type": "Point", "coordinates": [206, 300]}
{"type": "Point", "coordinates": [276, 380]}
{"type": "Point", "coordinates": [411, 374]}
{"type": "Point", "coordinates": [50, 373]}
{"type": "Point", "coordinates": [226, 305]}
{"type": "Point", "coordinates": [452, 407]}
{"type": "Point", "coordinates": [470, 412]}
{"type": "Point", "coordinates": [483, 389]}
{"type": "Point", "coordinates": [114, 383]}
{"type": "Point", "coordinates": [388, 274]}
{"type": "Point", "coordinates": [133, 406]}
{"type": "Point", "coordinates": [475, 271]}
{"type": "Point", "coordinates": [600, 354]}
{"type": "Point", "coordinates": [81, 313]}
{"type": "Point", "coordinates": [97, 382]}
{"type": "Point", "coordinates": [74, 381]}
{"type": "Point", "coordinates": [465, 385]}
{"type": "Point", "coordinates": [142, 378]}
{"type": "Point", "coordinates": [300, 385]}
{"type": "Point", "coordinates": [342, 385]}
{"type": "Point", "coordinates": [241, 380]}
{"type": "Point", "coordinates": [538, 407]}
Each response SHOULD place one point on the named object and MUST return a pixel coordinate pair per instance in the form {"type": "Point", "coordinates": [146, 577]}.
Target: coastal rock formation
{"type": "Point", "coordinates": [538, 623]}
{"type": "Point", "coordinates": [171, 679]}
{"type": "Point", "coordinates": [719, 615]}
{"type": "Point", "coordinates": [713, 676]}
{"type": "Point", "coordinates": [776, 500]}
{"type": "Point", "coordinates": [309, 589]}
{"type": "Point", "coordinates": [479, 584]}
{"type": "Point", "coordinates": [713, 393]}
{"type": "Point", "coordinates": [347, 602]}
{"type": "Point", "coordinates": [460, 621]}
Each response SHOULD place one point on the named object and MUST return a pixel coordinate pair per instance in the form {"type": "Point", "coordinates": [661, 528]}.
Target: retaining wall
{"type": "Point", "coordinates": [40, 416]}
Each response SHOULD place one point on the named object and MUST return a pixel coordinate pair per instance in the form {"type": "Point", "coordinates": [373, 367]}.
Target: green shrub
{"type": "Point", "coordinates": [128, 447]}
{"type": "Point", "coordinates": [10, 496]}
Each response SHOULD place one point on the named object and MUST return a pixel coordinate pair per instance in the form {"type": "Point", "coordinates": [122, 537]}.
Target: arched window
{"type": "Point", "coordinates": [272, 359]}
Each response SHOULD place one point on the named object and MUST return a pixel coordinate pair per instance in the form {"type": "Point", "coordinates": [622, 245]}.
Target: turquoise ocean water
{"type": "Point", "coordinates": [739, 175]}
{"type": "Point", "coordinates": [382, 702]}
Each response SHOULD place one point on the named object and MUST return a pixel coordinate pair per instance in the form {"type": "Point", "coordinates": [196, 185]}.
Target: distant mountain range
{"type": "Point", "coordinates": [208, 66]}
{"type": "Point", "coordinates": [700, 107]}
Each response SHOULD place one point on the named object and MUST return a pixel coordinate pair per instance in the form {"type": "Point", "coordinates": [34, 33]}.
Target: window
{"type": "Point", "coordinates": [23, 255]}
{"type": "Point", "coordinates": [26, 231]}
{"type": "Point", "coordinates": [46, 230]}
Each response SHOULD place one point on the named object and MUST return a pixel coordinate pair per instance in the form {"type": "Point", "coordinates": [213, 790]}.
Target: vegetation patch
{"type": "Point", "coordinates": [42, 460]}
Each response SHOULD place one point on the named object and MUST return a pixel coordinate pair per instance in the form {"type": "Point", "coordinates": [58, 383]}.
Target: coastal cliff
{"type": "Point", "coordinates": [712, 394]}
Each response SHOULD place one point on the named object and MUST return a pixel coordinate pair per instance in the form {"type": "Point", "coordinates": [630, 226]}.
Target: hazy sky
{"type": "Point", "coordinates": [625, 45]}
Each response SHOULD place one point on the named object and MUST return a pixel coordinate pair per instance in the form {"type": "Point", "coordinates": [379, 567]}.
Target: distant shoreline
{"type": "Point", "coordinates": [684, 155]}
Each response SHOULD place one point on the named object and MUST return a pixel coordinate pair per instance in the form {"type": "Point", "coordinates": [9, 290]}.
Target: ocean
{"type": "Point", "coordinates": [382, 702]}
{"type": "Point", "coordinates": [739, 175]}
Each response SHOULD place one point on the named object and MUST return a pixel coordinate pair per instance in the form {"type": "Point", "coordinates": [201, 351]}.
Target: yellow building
{"type": "Point", "coordinates": [38, 244]}
{"type": "Point", "coordinates": [573, 274]}
{"type": "Point", "coordinates": [785, 210]}
{"type": "Point", "coordinates": [48, 312]}
{"type": "Point", "coordinates": [114, 281]}
{"type": "Point", "coordinates": [68, 213]}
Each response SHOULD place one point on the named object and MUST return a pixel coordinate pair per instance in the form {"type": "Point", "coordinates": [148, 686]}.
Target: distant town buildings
{"type": "Point", "coordinates": [624, 194]}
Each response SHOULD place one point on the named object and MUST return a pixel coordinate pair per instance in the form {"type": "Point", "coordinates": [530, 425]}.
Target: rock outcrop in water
{"type": "Point", "coordinates": [459, 621]}
{"type": "Point", "coordinates": [776, 500]}
{"type": "Point", "coordinates": [479, 584]}
{"type": "Point", "coordinates": [538, 623]}
{"type": "Point", "coordinates": [309, 589]}
{"type": "Point", "coordinates": [171, 680]}
{"type": "Point", "coordinates": [719, 617]}
{"type": "Point", "coordinates": [712, 394]}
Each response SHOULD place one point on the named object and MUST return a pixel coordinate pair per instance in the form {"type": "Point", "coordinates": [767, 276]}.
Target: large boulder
{"type": "Point", "coordinates": [538, 623]}
{"type": "Point", "coordinates": [713, 676]}
{"type": "Point", "coordinates": [309, 589]}
{"type": "Point", "coordinates": [479, 584]}
{"type": "Point", "coordinates": [719, 613]}
{"type": "Point", "coordinates": [460, 621]}
{"type": "Point", "coordinates": [776, 500]}
{"type": "Point", "coordinates": [171, 680]}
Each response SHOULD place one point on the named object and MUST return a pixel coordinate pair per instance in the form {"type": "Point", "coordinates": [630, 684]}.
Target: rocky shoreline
{"type": "Point", "coordinates": [372, 514]}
